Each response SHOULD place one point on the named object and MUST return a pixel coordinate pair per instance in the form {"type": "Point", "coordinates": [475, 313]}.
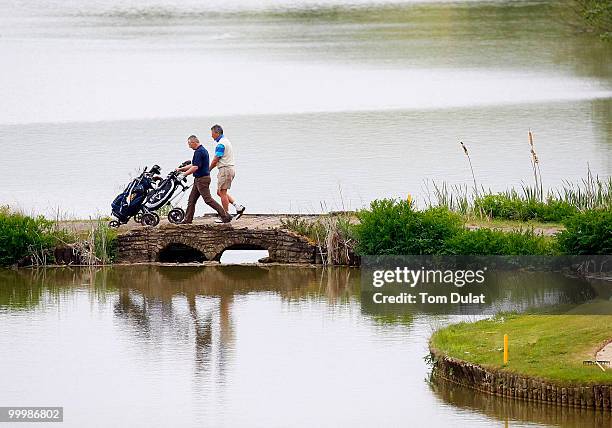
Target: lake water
{"type": "Point", "coordinates": [329, 104]}
{"type": "Point", "coordinates": [240, 346]}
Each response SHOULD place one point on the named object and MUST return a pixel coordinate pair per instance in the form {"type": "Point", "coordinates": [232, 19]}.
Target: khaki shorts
{"type": "Point", "coordinates": [225, 177]}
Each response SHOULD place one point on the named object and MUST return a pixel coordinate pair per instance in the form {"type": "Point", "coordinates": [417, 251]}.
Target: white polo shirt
{"type": "Point", "coordinates": [224, 152]}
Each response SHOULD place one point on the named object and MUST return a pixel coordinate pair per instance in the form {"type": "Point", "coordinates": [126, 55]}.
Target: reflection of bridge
{"type": "Point", "coordinates": [206, 241]}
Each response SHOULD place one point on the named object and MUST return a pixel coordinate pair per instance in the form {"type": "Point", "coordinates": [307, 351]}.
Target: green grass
{"type": "Point", "coordinates": [513, 206]}
{"type": "Point", "coordinates": [494, 241]}
{"type": "Point", "coordinates": [505, 224]}
{"type": "Point", "coordinates": [550, 347]}
{"type": "Point", "coordinates": [31, 240]}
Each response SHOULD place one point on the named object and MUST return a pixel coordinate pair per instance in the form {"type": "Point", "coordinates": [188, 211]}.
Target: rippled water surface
{"type": "Point", "coordinates": [238, 346]}
{"type": "Point", "coordinates": [329, 104]}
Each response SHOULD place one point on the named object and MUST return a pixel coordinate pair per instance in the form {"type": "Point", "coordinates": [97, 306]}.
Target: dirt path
{"type": "Point", "coordinates": [270, 221]}
{"type": "Point", "coordinates": [251, 221]}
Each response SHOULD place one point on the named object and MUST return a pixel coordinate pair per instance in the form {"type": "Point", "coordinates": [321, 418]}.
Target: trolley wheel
{"type": "Point", "coordinates": [114, 224]}
{"type": "Point", "coordinates": [176, 215]}
{"type": "Point", "coordinates": [138, 217]}
{"type": "Point", "coordinates": [150, 219]}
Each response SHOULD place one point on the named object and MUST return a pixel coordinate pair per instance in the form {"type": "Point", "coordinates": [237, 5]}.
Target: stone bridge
{"type": "Point", "coordinates": [206, 241]}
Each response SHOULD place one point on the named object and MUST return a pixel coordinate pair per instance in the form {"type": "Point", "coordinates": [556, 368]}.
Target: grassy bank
{"type": "Point", "coordinates": [575, 219]}
{"type": "Point", "coordinates": [396, 227]}
{"type": "Point", "coordinates": [28, 240]}
{"type": "Point", "coordinates": [548, 347]}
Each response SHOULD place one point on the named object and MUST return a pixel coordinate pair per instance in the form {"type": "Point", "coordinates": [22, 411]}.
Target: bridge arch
{"type": "Point", "coordinates": [240, 244]}
{"type": "Point", "coordinates": [180, 251]}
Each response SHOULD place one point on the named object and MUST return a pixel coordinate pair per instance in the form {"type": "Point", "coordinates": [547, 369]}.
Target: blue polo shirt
{"type": "Point", "coordinates": [201, 159]}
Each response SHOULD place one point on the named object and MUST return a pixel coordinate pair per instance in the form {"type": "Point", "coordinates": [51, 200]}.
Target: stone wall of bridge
{"type": "Point", "coordinates": [155, 244]}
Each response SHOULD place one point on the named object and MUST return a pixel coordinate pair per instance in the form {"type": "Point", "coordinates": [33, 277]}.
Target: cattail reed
{"type": "Point", "coordinates": [535, 165]}
{"type": "Point", "coordinates": [465, 150]}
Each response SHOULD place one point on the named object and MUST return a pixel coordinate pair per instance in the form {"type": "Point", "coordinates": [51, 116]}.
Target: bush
{"type": "Point", "coordinates": [493, 242]}
{"type": "Point", "coordinates": [395, 227]}
{"type": "Point", "coordinates": [555, 210]}
{"type": "Point", "coordinates": [513, 207]}
{"type": "Point", "coordinates": [497, 206]}
{"type": "Point", "coordinates": [587, 233]}
{"type": "Point", "coordinates": [22, 236]}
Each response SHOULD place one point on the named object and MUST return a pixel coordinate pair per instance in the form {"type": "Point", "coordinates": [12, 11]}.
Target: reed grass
{"type": "Point", "coordinates": [98, 246]}
{"type": "Point", "coordinates": [590, 193]}
{"type": "Point", "coordinates": [332, 234]}
{"type": "Point", "coordinates": [455, 197]}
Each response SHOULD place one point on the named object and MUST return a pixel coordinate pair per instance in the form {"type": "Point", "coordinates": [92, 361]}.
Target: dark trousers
{"type": "Point", "coordinates": [201, 188]}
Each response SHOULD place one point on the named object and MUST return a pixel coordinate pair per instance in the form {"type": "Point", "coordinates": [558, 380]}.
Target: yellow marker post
{"type": "Point", "coordinates": [505, 349]}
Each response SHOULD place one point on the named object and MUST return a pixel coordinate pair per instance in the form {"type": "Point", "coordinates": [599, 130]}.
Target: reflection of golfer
{"type": "Point", "coordinates": [201, 182]}
{"type": "Point", "coordinates": [224, 160]}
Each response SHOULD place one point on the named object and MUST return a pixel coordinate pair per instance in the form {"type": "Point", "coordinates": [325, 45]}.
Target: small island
{"type": "Point", "coordinates": [552, 358]}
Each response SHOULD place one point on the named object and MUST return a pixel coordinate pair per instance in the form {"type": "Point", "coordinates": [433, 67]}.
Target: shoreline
{"type": "Point", "coordinates": [389, 226]}
{"type": "Point", "coordinates": [520, 386]}
{"type": "Point", "coordinates": [187, 264]}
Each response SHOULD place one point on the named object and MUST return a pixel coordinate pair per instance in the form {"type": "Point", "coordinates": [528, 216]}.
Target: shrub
{"type": "Point", "coordinates": [492, 242]}
{"type": "Point", "coordinates": [513, 207]}
{"type": "Point", "coordinates": [554, 210]}
{"type": "Point", "coordinates": [498, 206]}
{"type": "Point", "coordinates": [589, 233]}
{"type": "Point", "coordinates": [22, 236]}
{"type": "Point", "coordinates": [395, 227]}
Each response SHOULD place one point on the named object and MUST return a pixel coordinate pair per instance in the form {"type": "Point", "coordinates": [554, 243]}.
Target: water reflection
{"type": "Point", "coordinates": [209, 295]}
{"type": "Point", "coordinates": [162, 290]}
{"type": "Point", "coordinates": [146, 313]}
{"type": "Point", "coordinates": [231, 337]}
{"type": "Point", "coordinates": [504, 291]}
{"type": "Point", "coordinates": [514, 412]}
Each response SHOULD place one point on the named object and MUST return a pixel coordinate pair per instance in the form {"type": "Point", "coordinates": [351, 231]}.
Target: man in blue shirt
{"type": "Point", "coordinates": [200, 169]}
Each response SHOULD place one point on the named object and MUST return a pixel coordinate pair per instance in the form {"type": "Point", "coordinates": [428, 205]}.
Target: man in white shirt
{"type": "Point", "coordinates": [224, 160]}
